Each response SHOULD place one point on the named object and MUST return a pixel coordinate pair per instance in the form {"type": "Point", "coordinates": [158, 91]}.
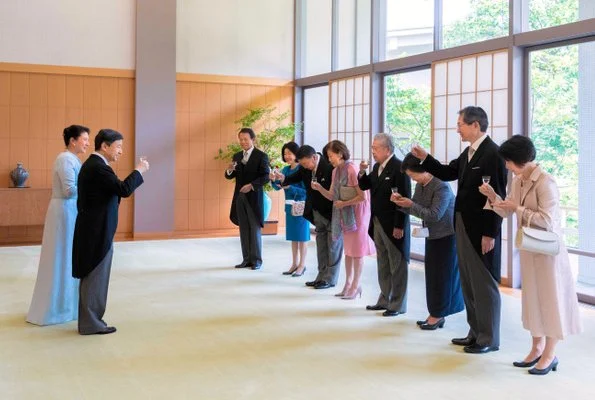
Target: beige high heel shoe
{"type": "Point", "coordinates": [351, 296]}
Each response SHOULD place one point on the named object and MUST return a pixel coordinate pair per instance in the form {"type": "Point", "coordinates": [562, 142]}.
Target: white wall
{"type": "Point", "coordinates": [235, 37]}
{"type": "Point", "coordinates": [86, 33]}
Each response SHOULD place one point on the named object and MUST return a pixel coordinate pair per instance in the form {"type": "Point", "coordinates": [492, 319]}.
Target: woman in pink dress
{"type": "Point", "coordinates": [351, 216]}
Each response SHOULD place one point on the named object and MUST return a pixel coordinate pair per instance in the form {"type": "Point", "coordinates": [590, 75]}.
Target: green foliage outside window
{"type": "Point", "coordinates": [553, 103]}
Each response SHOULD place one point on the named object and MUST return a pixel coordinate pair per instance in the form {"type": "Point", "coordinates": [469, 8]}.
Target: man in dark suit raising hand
{"type": "Point", "coordinates": [477, 229]}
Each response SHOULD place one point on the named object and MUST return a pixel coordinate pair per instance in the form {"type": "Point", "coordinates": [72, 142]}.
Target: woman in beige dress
{"type": "Point", "coordinates": [549, 302]}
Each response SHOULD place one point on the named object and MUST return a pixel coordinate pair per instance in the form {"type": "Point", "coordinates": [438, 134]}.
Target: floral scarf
{"type": "Point", "coordinates": [343, 220]}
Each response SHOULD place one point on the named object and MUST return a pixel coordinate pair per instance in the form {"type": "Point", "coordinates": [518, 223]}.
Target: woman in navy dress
{"type": "Point", "coordinates": [55, 298]}
{"type": "Point", "coordinates": [297, 228]}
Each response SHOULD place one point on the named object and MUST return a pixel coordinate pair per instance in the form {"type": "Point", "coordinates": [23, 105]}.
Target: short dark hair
{"type": "Point", "coordinates": [305, 151]}
{"type": "Point", "coordinates": [324, 152]}
{"type": "Point", "coordinates": [73, 132]}
{"type": "Point", "coordinates": [248, 131]}
{"type": "Point", "coordinates": [338, 147]}
{"type": "Point", "coordinates": [291, 146]}
{"type": "Point", "coordinates": [473, 114]}
{"type": "Point", "coordinates": [411, 163]}
{"type": "Point", "coordinates": [518, 149]}
{"type": "Point", "coordinates": [108, 136]}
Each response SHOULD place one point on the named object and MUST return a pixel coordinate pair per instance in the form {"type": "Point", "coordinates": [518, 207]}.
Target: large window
{"type": "Point", "coordinates": [353, 37]}
{"type": "Point", "coordinates": [409, 28]}
{"type": "Point", "coordinates": [562, 107]}
{"type": "Point", "coordinates": [407, 116]}
{"type": "Point", "coordinates": [316, 117]}
{"type": "Point", "coordinates": [316, 36]}
{"type": "Point", "coordinates": [407, 103]}
{"type": "Point", "coordinates": [469, 21]}
{"type": "Point", "coordinates": [548, 13]}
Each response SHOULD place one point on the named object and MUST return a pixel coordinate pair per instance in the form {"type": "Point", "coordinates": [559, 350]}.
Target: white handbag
{"type": "Point", "coordinates": [537, 240]}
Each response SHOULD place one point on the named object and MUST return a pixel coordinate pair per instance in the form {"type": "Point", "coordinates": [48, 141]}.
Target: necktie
{"type": "Point", "coordinates": [471, 152]}
{"type": "Point", "coordinates": [380, 169]}
{"type": "Point", "coordinates": [245, 159]}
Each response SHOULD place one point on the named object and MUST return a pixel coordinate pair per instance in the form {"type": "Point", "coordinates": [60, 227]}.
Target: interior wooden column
{"type": "Point", "coordinates": [156, 115]}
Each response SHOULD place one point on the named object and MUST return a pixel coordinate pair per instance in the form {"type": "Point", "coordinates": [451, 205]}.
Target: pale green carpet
{"type": "Point", "coordinates": [192, 327]}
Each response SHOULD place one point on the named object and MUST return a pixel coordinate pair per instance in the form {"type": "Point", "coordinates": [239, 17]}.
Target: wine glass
{"type": "Point", "coordinates": [395, 190]}
{"type": "Point", "coordinates": [314, 179]}
{"type": "Point", "coordinates": [485, 179]}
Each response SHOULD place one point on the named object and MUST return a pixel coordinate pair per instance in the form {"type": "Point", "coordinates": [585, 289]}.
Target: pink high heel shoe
{"type": "Point", "coordinates": [353, 295]}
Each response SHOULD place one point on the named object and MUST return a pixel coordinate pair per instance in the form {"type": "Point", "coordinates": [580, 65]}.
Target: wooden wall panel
{"type": "Point", "coordinates": [34, 109]}
{"type": "Point", "coordinates": [205, 121]}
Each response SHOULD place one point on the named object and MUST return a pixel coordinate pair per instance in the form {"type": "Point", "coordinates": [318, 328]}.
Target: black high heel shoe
{"type": "Point", "coordinates": [291, 271]}
{"type": "Point", "coordinates": [552, 367]}
{"type": "Point", "coordinates": [296, 274]}
{"type": "Point", "coordinates": [420, 322]}
{"type": "Point", "coordinates": [526, 364]}
{"type": "Point", "coordinates": [433, 327]}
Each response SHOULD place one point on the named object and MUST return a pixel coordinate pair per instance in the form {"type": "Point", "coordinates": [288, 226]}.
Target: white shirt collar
{"type": "Point", "coordinates": [383, 165]}
{"type": "Point", "coordinates": [249, 152]}
{"type": "Point", "coordinates": [102, 157]}
{"type": "Point", "coordinates": [475, 145]}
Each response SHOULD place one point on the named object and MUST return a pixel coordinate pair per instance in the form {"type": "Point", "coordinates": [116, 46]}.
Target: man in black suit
{"type": "Point", "coordinates": [250, 168]}
{"type": "Point", "coordinates": [318, 210]}
{"type": "Point", "coordinates": [388, 228]}
{"type": "Point", "coordinates": [477, 229]}
{"type": "Point", "coordinates": [99, 194]}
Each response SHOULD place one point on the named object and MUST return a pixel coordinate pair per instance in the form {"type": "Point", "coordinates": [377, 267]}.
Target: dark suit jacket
{"type": "Point", "coordinates": [382, 207]}
{"type": "Point", "coordinates": [314, 199]}
{"type": "Point", "coordinates": [256, 171]}
{"type": "Point", "coordinates": [99, 193]}
{"type": "Point", "coordinates": [470, 202]}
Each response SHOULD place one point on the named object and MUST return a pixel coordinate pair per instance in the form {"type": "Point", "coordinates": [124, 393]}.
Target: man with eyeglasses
{"type": "Point", "coordinates": [478, 230]}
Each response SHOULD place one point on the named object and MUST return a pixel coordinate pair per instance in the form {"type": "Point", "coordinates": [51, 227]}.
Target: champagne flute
{"type": "Point", "coordinates": [485, 179]}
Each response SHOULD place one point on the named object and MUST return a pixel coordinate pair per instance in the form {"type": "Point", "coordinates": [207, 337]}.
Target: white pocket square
{"type": "Point", "coordinates": [387, 178]}
{"type": "Point", "coordinates": [474, 167]}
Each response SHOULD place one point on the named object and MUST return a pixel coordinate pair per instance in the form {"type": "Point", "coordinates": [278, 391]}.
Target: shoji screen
{"type": "Point", "coordinates": [350, 114]}
{"type": "Point", "coordinates": [480, 80]}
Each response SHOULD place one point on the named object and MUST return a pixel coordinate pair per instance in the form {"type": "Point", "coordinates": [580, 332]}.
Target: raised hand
{"type": "Point", "coordinates": [419, 152]}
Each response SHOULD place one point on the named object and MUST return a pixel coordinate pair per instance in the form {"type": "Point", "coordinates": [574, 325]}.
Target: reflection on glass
{"type": "Point", "coordinates": [409, 28]}
{"type": "Point", "coordinates": [469, 21]}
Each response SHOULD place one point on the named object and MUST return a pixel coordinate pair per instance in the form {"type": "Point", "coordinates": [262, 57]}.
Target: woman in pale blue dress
{"type": "Point", "coordinates": [297, 228]}
{"type": "Point", "coordinates": [55, 298]}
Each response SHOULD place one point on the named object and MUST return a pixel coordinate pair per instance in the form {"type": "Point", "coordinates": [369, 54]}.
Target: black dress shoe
{"type": "Point", "coordinates": [552, 367]}
{"type": "Point", "coordinates": [376, 307]}
{"type": "Point", "coordinates": [323, 285]}
{"type": "Point", "coordinates": [433, 327]}
{"type": "Point", "coordinates": [466, 341]}
{"type": "Point", "coordinates": [255, 266]}
{"type": "Point", "coordinates": [106, 331]}
{"type": "Point", "coordinates": [243, 265]}
{"type": "Point", "coordinates": [479, 349]}
{"type": "Point", "coordinates": [390, 313]}
{"type": "Point", "coordinates": [524, 364]}
{"type": "Point", "coordinates": [312, 283]}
